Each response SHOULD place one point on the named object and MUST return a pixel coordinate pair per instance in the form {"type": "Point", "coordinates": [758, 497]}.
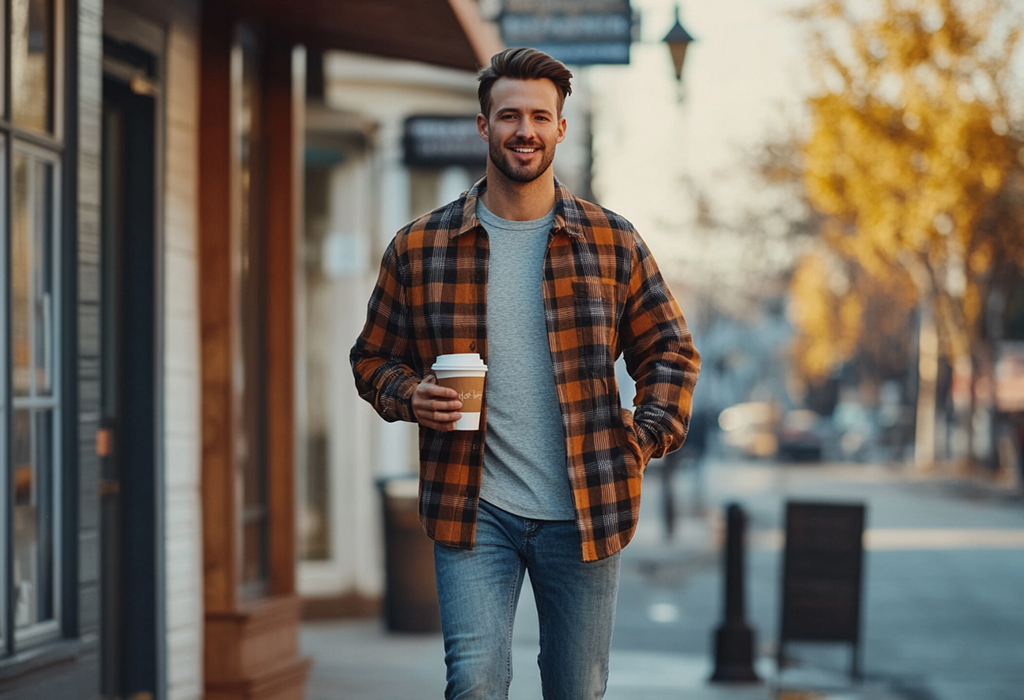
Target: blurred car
{"type": "Point", "coordinates": [751, 428]}
{"type": "Point", "coordinates": [802, 436]}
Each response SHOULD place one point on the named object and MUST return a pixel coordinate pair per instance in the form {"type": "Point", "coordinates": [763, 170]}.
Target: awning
{"type": "Point", "coordinates": [443, 32]}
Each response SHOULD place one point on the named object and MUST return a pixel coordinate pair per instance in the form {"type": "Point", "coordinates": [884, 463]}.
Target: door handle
{"type": "Point", "coordinates": [142, 85]}
{"type": "Point", "coordinates": [104, 442]}
{"type": "Point", "coordinates": [105, 450]}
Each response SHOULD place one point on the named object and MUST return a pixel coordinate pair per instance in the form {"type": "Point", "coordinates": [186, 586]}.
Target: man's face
{"type": "Point", "coordinates": [523, 127]}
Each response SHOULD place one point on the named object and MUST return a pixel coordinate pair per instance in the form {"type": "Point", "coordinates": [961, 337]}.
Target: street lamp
{"type": "Point", "coordinates": [678, 39]}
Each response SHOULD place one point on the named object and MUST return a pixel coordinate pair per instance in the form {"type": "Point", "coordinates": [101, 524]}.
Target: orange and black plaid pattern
{"type": "Point", "coordinates": [603, 296]}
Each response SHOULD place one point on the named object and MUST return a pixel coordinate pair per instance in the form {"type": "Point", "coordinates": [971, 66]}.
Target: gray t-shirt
{"type": "Point", "coordinates": [525, 469]}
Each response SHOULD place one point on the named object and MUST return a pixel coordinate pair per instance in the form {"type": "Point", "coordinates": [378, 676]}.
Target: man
{"type": "Point", "coordinates": [549, 290]}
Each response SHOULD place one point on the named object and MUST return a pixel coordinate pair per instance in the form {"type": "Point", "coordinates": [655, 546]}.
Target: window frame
{"type": "Point", "coordinates": [42, 149]}
{"type": "Point", "coordinates": [51, 629]}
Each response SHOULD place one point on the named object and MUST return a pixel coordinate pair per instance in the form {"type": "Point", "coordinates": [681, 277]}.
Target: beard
{"type": "Point", "coordinates": [504, 161]}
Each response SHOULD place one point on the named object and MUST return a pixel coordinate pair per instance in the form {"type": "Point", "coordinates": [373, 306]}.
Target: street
{"type": "Point", "coordinates": [942, 619]}
{"type": "Point", "coordinates": [942, 616]}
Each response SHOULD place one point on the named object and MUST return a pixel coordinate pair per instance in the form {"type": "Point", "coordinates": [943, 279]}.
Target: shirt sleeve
{"type": "Point", "coordinates": [384, 372]}
{"type": "Point", "coordinates": [660, 357]}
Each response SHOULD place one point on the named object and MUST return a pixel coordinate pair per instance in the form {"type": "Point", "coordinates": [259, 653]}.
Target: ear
{"type": "Point", "coordinates": [561, 129]}
{"type": "Point", "coordinates": [481, 126]}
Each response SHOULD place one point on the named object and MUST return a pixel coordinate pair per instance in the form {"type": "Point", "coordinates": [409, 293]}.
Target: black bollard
{"type": "Point", "coordinates": [734, 638]}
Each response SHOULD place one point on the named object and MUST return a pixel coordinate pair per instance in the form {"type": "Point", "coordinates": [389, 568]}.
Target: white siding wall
{"type": "Point", "coordinates": [181, 369]}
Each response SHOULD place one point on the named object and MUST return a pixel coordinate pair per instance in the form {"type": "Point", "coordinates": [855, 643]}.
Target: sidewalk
{"type": "Point", "coordinates": [359, 660]}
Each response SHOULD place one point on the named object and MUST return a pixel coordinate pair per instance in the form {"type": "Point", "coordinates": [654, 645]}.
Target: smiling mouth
{"type": "Point", "coordinates": [523, 149]}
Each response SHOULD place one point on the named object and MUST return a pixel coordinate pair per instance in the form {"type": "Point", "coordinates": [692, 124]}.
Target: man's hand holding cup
{"type": "Point", "coordinates": [436, 406]}
{"type": "Point", "coordinates": [454, 399]}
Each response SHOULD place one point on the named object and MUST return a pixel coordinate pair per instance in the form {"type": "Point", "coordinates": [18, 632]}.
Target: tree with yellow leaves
{"type": "Point", "coordinates": [843, 315]}
{"type": "Point", "coordinates": [917, 147]}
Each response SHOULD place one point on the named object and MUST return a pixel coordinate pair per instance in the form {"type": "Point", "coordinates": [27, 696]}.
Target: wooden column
{"type": "Point", "coordinates": [251, 646]}
{"type": "Point", "coordinates": [285, 99]}
{"type": "Point", "coordinates": [220, 542]}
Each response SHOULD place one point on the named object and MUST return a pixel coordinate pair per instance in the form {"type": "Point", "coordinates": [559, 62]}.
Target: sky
{"type": "Point", "coordinates": [743, 79]}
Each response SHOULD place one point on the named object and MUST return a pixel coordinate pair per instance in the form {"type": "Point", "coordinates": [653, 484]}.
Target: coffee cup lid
{"type": "Point", "coordinates": [459, 360]}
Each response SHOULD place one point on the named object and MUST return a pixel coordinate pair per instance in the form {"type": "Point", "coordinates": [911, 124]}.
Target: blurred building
{"type": "Point", "coordinates": [386, 141]}
{"type": "Point", "coordinates": [151, 190]}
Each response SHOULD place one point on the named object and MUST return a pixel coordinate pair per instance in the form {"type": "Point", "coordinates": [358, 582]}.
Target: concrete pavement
{"type": "Point", "coordinates": [943, 616]}
{"type": "Point", "coordinates": [358, 660]}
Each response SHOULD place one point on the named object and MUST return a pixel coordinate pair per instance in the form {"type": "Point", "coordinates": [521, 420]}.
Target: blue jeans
{"type": "Point", "coordinates": [479, 590]}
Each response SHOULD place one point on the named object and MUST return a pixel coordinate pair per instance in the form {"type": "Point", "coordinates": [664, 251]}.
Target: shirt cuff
{"type": "Point", "coordinates": [398, 404]}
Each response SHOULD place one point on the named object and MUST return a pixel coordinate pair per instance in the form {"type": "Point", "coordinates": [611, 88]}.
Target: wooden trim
{"type": "Point", "coordinates": [220, 545]}
{"type": "Point", "coordinates": [482, 36]}
{"type": "Point", "coordinates": [283, 118]}
{"type": "Point", "coordinates": [253, 652]}
{"type": "Point", "coordinates": [246, 641]}
{"type": "Point", "coordinates": [283, 681]}
{"type": "Point", "coordinates": [439, 32]}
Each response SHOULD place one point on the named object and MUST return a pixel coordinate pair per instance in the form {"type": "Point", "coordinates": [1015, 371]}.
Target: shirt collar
{"type": "Point", "coordinates": [568, 215]}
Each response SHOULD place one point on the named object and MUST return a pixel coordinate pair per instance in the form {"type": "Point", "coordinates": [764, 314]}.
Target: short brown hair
{"type": "Point", "coordinates": [523, 64]}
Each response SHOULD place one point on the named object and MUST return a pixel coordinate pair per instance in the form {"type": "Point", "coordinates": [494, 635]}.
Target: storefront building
{"type": "Point", "coordinates": [150, 190]}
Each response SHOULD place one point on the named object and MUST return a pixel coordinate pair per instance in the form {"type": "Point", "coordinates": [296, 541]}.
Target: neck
{"type": "Point", "coordinates": [518, 201]}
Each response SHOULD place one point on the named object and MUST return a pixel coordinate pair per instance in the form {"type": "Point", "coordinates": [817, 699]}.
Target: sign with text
{"type": "Point", "coordinates": [577, 32]}
{"type": "Point", "coordinates": [821, 575]}
{"type": "Point", "coordinates": [443, 141]}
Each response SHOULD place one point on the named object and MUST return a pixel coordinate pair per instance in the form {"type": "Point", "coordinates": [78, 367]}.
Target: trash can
{"type": "Point", "coordinates": [410, 590]}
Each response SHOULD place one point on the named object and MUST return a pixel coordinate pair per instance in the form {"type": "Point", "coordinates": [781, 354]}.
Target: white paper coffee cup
{"type": "Point", "coordinates": [465, 372]}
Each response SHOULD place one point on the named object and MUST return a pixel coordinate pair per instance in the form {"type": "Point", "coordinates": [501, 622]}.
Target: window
{"type": "Point", "coordinates": [32, 62]}
{"type": "Point", "coordinates": [35, 400]}
{"type": "Point", "coordinates": [30, 388]}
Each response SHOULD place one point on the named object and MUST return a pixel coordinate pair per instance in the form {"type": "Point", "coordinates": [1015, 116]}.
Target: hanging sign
{"type": "Point", "coordinates": [444, 141]}
{"type": "Point", "coordinates": [577, 32]}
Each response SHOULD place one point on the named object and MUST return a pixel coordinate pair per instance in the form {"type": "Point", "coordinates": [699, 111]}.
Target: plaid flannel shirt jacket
{"type": "Point", "coordinates": [603, 295]}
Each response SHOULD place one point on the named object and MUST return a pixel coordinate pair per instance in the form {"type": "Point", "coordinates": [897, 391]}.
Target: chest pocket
{"type": "Point", "coordinates": [594, 309]}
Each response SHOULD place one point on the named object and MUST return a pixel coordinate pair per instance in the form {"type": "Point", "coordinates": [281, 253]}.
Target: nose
{"type": "Point", "coordinates": [525, 128]}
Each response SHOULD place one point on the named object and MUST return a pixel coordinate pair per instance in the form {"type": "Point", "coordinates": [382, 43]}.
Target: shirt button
{"type": "Point", "coordinates": [472, 347]}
